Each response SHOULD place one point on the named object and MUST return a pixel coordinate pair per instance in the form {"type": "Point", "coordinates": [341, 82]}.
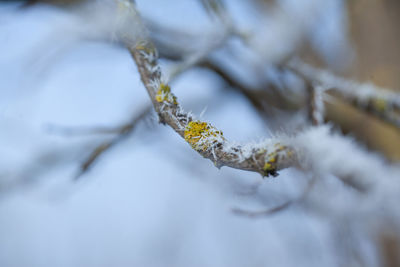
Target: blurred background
{"type": "Point", "coordinates": [88, 177]}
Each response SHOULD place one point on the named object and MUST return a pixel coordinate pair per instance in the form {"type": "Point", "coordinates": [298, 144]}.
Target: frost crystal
{"type": "Point", "coordinates": [202, 136]}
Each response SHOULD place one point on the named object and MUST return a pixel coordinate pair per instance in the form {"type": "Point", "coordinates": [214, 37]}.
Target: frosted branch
{"type": "Point", "coordinates": [379, 101]}
{"type": "Point", "coordinates": [265, 158]}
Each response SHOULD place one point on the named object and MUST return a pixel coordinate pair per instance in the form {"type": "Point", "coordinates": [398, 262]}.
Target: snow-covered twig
{"type": "Point", "coordinates": [316, 105]}
{"type": "Point", "coordinates": [123, 132]}
{"type": "Point", "coordinates": [265, 158]}
{"type": "Point", "coordinates": [379, 101]}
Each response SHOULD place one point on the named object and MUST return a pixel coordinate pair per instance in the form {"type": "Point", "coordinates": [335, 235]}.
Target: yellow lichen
{"type": "Point", "coordinates": [270, 164]}
{"type": "Point", "coordinates": [268, 167]}
{"type": "Point", "coordinates": [379, 104]}
{"type": "Point", "coordinates": [147, 47]}
{"type": "Point", "coordinates": [271, 159]}
{"type": "Point", "coordinates": [201, 135]}
{"type": "Point", "coordinates": [164, 94]}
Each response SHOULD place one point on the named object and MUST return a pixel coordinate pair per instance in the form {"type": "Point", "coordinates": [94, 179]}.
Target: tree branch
{"type": "Point", "coordinates": [378, 101]}
{"type": "Point", "coordinates": [265, 158]}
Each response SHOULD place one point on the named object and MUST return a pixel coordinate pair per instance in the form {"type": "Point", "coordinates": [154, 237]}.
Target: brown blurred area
{"type": "Point", "coordinates": [375, 36]}
{"type": "Point", "coordinates": [375, 33]}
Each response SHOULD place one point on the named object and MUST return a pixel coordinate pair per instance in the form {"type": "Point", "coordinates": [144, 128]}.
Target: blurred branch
{"type": "Point", "coordinates": [216, 8]}
{"type": "Point", "coordinates": [315, 105]}
{"type": "Point", "coordinates": [122, 133]}
{"type": "Point", "coordinates": [261, 97]}
{"type": "Point", "coordinates": [75, 130]}
{"type": "Point", "coordinates": [378, 101]}
{"type": "Point", "coordinates": [279, 208]}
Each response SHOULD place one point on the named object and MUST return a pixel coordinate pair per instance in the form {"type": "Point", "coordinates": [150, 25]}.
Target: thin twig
{"type": "Point", "coordinates": [279, 208]}
{"type": "Point", "coordinates": [79, 131]}
{"type": "Point", "coordinates": [315, 105]}
{"type": "Point", "coordinates": [123, 132]}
